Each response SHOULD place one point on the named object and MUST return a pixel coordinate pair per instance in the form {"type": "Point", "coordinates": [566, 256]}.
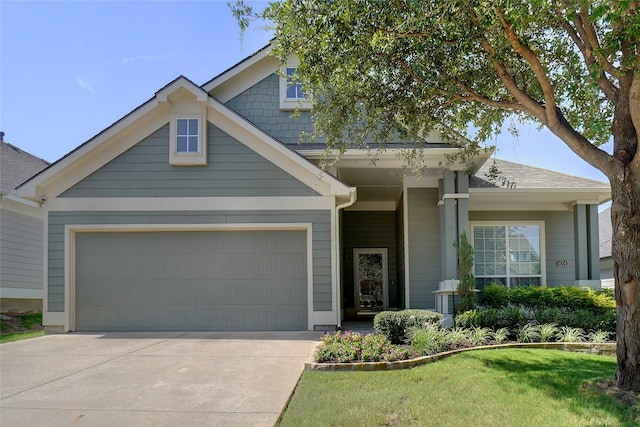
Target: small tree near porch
{"type": "Point", "coordinates": [463, 67]}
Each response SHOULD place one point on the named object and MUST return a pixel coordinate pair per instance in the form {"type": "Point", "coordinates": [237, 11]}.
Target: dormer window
{"type": "Point", "coordinates": [188, 140]}
{"type": "Point", "coordinates": [187, 136]}
{"type": "Point", "coordinates": [292, 93]}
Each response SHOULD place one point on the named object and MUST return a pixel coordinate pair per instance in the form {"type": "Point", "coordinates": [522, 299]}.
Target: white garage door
{"type": "Point", "coordinates": [194, 280]}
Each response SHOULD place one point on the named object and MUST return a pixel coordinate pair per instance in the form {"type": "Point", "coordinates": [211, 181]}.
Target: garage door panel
{"type": "Point", "coordinates": [214, 280]}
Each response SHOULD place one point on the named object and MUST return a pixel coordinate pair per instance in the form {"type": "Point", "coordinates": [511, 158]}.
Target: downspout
{"type": "Point", "coordinates": [352, 200]}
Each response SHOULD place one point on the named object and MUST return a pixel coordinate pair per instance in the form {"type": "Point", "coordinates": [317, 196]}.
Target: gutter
{"type": "Point", "coordinates": [352, 199]}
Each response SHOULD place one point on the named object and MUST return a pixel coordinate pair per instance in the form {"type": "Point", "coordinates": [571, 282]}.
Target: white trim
{"type": "Point", "coordinates": [291, 104]}
{"type": "Point", "coordinates": [45, 266]}
{"type": "Point", "coordinates": [373, 206]}
{"type": "Point", "coordinates": [228, 77]}
{"type": "Point", "coordinates": [405, 220]}
{"type": "Point", "coordinates": [543, 253]}
{"type": "Point", "coordinates": [67, 318]}
{"type": "Point", "coordinates": [198, 158]}
{"type": "Point", "coordinates": [20, 206]}
{"type": "Point", "coordinates": [20, 293]}
{"type": "Point", "coordinates": [336, 257]}
{"type": "Point", "coordinates": [455, 196]}
{"type": "Point", "coordinates": [191, 203]}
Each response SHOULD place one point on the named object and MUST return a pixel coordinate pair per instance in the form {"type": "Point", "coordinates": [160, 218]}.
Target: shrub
{"type": "Point", "coordinates": [354, 346]}
{"type": "Point", "coordinates": [492, 318]}
{"type": "Point", "coordinates": [501, 335]}
{"type": "Point", "coordinates": [548, 332]}
{"type": "Point", "coordinates": [457, 336]}
{"type": "Point", "coordinates": [494, 296]}
{"type": "Point", "coordinates": [539, 297]}
{"type": "Point", "coordinates": [479, 336]}
{"type": "Point", "coordinates": [428, 340]}
{"type": "Point", "coordinates": [569, 334]}
{"type": "Point", "coordinates": [393, 324]}
{"type": "Point", "coordinates": [598, 336]}
{"type": "Point", "coordinates": [528, 333]}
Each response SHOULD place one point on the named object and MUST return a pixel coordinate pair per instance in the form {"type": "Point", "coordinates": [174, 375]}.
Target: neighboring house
{"type": "Point", "coordinates": [606, 261]}
{"type": "Point", "coordinates": [200, 210]}
{"type": "Point", "coordinates": [21, 233]}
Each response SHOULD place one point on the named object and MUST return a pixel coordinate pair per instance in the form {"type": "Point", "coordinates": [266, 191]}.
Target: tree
{"type": "Point", "coordinates": [400, 69]}
{"type": "Point", "coordinates": [467, 284]}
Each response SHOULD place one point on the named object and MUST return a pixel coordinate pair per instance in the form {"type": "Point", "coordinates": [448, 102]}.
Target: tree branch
{"type": "Point", "coordinates": [608, 88]}
{"type": "Point", "coordinates": [532, 59]}
{"type": "Point", "coordinates": [473, 95]}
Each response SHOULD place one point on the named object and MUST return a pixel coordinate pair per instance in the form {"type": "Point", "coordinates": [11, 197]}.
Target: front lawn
{"type": "Point", "coordinates": [507, 387]}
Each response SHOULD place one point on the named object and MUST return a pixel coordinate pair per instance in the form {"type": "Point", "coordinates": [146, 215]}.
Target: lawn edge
{"type": "Point", "coordinates": [602, 349]}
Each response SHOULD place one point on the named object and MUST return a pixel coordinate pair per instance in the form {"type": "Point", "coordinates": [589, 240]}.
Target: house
{"type": "Point", "coordinates": [200, 210]}
{"type": "Point", "coordinates": [21, 233]}
{"type": "Point", "coordinates": [606, 260]}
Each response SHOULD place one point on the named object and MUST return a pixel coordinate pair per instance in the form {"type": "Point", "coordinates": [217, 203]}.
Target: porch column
{"type": "Point", "coordinates": [448, 227]}
{"type": "Point", "coordinates": [454, 219]}
{"type": "Point", "coordinates": [586, 237]}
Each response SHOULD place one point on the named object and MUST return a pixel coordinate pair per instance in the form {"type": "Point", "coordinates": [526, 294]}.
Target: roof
{"type": "Point", "coordinates": [16, 166]}
{"type": "Point", "coordinates": [605, 232]}
{"type": "Point", "coordinates": [530, 177]}
{"type": "Point", "coordinates": [150, 116]}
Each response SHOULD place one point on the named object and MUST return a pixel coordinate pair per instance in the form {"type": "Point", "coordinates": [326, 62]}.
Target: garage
{"type": "Point", "coordinates": [191, 280]}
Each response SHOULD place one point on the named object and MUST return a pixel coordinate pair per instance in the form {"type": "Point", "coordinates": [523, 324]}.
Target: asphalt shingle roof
{"type": "Point", "coordinates": [16, 166]}
{"type": "Point", "coordinates": [525, 176]}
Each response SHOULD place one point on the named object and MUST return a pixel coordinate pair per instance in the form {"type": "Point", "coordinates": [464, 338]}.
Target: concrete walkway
{"type": "Point", "coordinates": [151, 379]}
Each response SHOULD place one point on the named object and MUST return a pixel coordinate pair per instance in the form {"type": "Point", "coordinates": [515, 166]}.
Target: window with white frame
{"type": "Point", "coordinates": [188, 140]}
{"type": "Point", "coordinates": [294, 89]}
{"type": "Point", "coordinates": [187, 136]}
{"type": "Point", "coordinates": [510, 254]}
{"type": "Point", "coordinates": [292, 92]}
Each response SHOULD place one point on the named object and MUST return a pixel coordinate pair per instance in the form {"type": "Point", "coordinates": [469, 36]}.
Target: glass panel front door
{"type": "Point", "coordinates": [370, 271]}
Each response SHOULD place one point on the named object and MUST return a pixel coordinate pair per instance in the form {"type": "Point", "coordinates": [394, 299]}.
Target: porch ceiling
{"type": "Point", "coordinates": [374, 184]}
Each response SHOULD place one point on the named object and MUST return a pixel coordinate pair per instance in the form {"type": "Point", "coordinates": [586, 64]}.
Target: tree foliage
{"type": "Point", "coordinates": [397, 70]}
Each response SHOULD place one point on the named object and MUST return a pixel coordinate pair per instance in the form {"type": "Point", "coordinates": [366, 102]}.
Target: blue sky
{"type": "Point", "coordinates": [70, 69]}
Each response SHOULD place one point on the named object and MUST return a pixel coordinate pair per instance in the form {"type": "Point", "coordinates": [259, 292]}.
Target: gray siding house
{"type": "Point", "coordinates": [200, 210]}
{"type": "Point", "coordinates": [21, 233]}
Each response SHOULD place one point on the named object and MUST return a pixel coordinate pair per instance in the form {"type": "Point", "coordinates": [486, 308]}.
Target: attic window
{"type": "Point", "coordinates": [292, 93]}
{"type": "Point", "coordinates": [187, 140]}
{"type": "Point", "coordinates": [187, 135]}
{"type": "Point", "coordinates": [294, 90]}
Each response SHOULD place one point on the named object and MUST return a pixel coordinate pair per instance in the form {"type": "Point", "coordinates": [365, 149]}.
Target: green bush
{"type": "Point", "coordinates": [355, 347]}
{"type": "Point", "coordinates": [538, 297]}
{"type": "Point", "coordinates": [428, 340]}
{"type": "Point", "coordinates": [393, 324]}
{"type": "Point", "coordinates": [493, 318]}
{"type": "Point", "coordinates": [494, 296]}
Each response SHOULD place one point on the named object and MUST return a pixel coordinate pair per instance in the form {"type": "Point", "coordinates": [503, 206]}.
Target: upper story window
{"type": "Point", "coordinates": [294, 90]}
{"type": "Point", "coordinates": [187, 140]}
{"type": "Point", "coordinates": [187, 137]}
{"type": "Point", "coordinates": [292, 93]}
{"type": "Point", "coordinates": [508, 254]}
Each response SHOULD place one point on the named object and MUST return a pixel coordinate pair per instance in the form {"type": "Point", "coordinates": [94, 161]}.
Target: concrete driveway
{"type": "Point", "coordinates": [151, 379]}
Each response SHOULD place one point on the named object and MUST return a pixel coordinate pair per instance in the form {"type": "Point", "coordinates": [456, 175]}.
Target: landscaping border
{"type": "Point", "coordinates": [602, 349]}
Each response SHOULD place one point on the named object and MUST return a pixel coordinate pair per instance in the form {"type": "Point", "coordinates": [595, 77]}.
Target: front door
{"type": "Point", "coordinates": [370, 271]}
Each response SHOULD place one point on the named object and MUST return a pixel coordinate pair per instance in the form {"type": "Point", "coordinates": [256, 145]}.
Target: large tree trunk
{"type": "Point", "coordinates": [625, 220]}
{"type": "Point", "coordinates": [625, 217]}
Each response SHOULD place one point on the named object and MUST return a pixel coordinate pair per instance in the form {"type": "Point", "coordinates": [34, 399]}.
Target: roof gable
{"type": "Point", "coordinates": [154, 114]}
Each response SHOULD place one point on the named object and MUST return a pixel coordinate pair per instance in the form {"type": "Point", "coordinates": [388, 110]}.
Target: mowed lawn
{"type": "Point", "coordinates": [507, 387]}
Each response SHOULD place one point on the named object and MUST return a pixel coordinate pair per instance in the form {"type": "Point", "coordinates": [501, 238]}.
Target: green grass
{"type": "Point", "coordinates": [17, 336]}
{"type": "Point", "coordinates": [22, 327]}
{"type": "Point", "coordinates": [510, 387]}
